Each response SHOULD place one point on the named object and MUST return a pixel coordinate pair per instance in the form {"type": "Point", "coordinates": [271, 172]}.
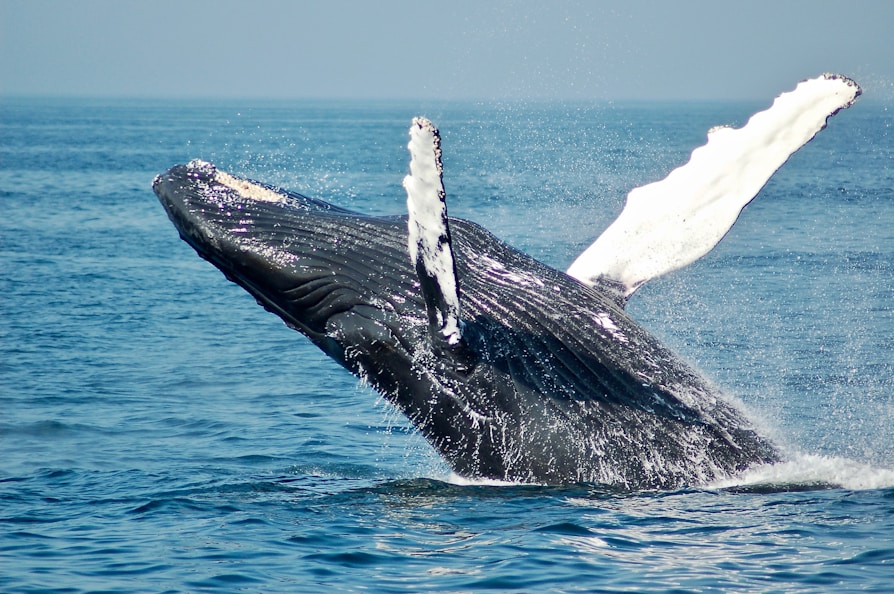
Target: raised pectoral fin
{"type": "Point", "coordinates": [429, 234]}
{"type": "Point", "coordinates": [671, 223]}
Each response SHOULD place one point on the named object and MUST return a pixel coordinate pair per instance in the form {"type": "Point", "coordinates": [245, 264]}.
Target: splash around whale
{"type": "Point", "coordinates": [512, 370]}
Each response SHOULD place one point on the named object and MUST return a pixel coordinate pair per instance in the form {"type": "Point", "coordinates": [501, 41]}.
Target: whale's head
{"type": "Point", "coordinates": [334, 275]}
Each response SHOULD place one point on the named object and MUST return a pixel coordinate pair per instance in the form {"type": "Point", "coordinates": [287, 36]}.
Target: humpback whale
{"type": "Point", "coordinates": [511, 369]}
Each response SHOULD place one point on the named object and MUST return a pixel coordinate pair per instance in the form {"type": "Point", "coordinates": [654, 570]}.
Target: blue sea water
{"type": "Point", "coordinates": [159, 432]}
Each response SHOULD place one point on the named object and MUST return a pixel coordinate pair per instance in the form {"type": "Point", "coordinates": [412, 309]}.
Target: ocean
{"type": "Point", "coordinates": [160, 432]}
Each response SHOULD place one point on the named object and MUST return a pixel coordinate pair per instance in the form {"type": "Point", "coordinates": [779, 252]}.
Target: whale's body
{"type": "Point", "coordinates": [536, 377]}
{"type": "Point", "coordinates": [556, 382]}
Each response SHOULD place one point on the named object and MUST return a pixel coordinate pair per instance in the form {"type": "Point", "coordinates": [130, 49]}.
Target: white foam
{"type": "Point", "coordinates": [605, 321]}
{"type": "Point", "coordinates": [811, 469]}
{"type": "Point", "coordinates": [461, 481]}
{"type": "Point", "coordinates": [802, 471]}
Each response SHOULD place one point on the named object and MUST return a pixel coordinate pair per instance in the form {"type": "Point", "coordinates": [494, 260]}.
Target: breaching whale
{"type": "Point", "coordinates": [512, 370]}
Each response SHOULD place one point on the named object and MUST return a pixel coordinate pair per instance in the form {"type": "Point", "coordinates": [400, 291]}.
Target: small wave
{"type": "Point", "coordinates": [809, 471]}
{"type": "Point", "coordinates": [803, 472]}
{"type": "Point", "coordinates": [461, 481]}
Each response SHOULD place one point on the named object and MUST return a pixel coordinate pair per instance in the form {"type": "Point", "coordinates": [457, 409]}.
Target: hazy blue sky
{"type": "Point", "coordinates": [451, 49]}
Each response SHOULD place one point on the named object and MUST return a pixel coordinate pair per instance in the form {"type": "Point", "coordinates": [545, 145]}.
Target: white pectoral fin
{"type": "Point", "coordinates": [671, 223]}
{"type": "Point", "coordinates": [429, 241]}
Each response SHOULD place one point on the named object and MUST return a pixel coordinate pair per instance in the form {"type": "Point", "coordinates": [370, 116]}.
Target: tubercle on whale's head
{"type": "Point", "coordinates": [248, 189]}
